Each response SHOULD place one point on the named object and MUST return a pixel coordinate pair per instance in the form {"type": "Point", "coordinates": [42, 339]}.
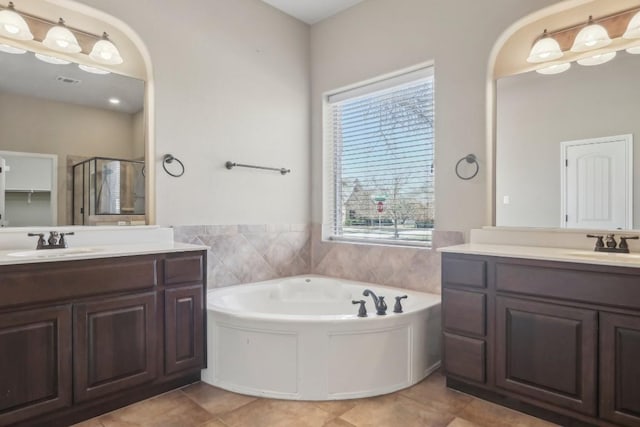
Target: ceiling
{"type": "Point", "coordinates": [312, 11]}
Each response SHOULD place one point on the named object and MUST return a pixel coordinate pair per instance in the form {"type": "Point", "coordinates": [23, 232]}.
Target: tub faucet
{"type": "Point", "coordinates": [398, 307]}
{"type": "Point", "coordinates": [378, 302]}
{"type": "Point", "coordinates": [362, 311]}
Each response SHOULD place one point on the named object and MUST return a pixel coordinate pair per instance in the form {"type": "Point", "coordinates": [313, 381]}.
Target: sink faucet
{"type": "Point", "coordinates": [55, 241]}
{"type": "Point", "coordinates": [610, 244]}
{"type": "Point", "coordinates": [378, 302]}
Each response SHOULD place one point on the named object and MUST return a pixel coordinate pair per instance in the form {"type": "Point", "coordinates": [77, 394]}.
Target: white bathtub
{"type": "Point", "coordinates": [300, 338]}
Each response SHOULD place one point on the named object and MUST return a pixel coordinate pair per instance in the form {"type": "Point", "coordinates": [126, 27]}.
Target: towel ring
{"type": "Point", "coordinates": [168, 158]}
{"type": "Point", "coordinates": [469, 158]}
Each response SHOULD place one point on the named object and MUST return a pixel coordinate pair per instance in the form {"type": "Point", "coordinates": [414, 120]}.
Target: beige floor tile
{"type": "Point", "coordinates": [337, 422]}
{"type": "Point", "coordinates": [433, 392]}
{"type": "Point", "coordinates": [277, 413]}
{"type": "Point", "coordinates": [168, 410]}
{"type": "Point", "coordinates": [214, 399]}
{"type": "Point", "coordinates": [89, 423]}
{"type": "Point", "coordinates": [460, 422]}
{"type": "Point", "coordinates": [336, 407]}
{"type": "Point", "coordinates": [484, 413]}
{"type": "Point", "coordinates": [395, 410]}
{"type": "Point", "coordinates": [213, 423]}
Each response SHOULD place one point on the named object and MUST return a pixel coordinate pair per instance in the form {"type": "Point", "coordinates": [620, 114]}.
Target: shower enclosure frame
{"type": "Point", "coordinates": [86, 190]}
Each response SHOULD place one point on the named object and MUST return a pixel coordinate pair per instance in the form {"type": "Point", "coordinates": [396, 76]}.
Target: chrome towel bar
{"type": "Point", "coordinates": [231, 165]}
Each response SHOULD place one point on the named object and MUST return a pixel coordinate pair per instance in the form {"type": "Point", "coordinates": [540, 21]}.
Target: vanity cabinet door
{"type": "Point", "coordinates": [620, 369]}
{"type": "Point", "coordinates": [35, 363]}
{"type": "Point", "coordinates": [547, 352]}
{"type": "Point", "coordinates": [114, 344]}
{"type": "Point", "coordinates": [184, 329]}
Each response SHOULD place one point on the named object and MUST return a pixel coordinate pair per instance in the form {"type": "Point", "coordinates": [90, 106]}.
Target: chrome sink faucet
{"type": "Point", "coordinates": [378, 302]}
{"type": "Point", "coordinates": [55, 241]}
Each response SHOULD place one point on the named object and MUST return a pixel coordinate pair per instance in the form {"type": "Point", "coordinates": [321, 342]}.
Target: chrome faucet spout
{"type": "Point", "coordinates": [378, 302]}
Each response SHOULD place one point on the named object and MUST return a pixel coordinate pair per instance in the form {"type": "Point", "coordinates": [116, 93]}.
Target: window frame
{"type": "Point", "coordinates": [331, 190]}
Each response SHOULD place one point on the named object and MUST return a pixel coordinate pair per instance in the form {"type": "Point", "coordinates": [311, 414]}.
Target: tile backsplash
{"type": "Point", "coordinates": [252, 253]}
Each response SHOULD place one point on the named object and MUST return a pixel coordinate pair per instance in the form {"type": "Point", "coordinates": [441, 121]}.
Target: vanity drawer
{"type": "Point", "coordinates": [464, 311]}
{"type": "Point", "coordinates": [183, 268]}
{"type": "Point", "coordinates": [465, 357]}
{"type": "Point", "coordinates": [464, 272]}
{"type": "Point", "coordinates": [585, 283]}
{"type": "Point", "coordinates": [64, 280]}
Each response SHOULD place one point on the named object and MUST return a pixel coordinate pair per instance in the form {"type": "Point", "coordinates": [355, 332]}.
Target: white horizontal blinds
{"type": "Point", "coordinates": [383, 151]}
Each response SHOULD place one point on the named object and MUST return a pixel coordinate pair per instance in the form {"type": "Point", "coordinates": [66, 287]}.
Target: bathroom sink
{"type": "Point", "coordinates": [52, 253]}
{"type": "Point", "coordinates": [605, 256]}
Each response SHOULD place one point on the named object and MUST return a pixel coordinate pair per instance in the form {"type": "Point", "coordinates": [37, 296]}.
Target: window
{"type": "Point", "coordinates": [380, 173]}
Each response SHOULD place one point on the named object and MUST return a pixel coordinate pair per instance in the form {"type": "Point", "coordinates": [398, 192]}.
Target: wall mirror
{"type": "Point", "coordinates": [57, 115]}
{"type": "Point", "coordinates": [538, 116]}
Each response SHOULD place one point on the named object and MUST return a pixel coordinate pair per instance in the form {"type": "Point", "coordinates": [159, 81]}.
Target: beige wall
{"type": "Point", "coordinates": [231, 83]}
{"type": "Point", "coordinates": [139, 131]}
{"type": "Point", "coordinates": [381, 36]}
{"type": "Point", "coordinates": [41, 126]}
{"type": "Point", "coordinates": [535, 113]}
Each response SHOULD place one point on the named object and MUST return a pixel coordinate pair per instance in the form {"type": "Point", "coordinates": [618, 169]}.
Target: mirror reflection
{"type": "Point", "coordinates": [53, 117]}
{"type": "Point", "coordinates": [541, 119]}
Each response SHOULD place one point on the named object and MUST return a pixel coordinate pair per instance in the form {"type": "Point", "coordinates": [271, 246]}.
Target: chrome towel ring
{"type": "Point", "coordinates": [168, 159]}
{"type": "Point", "coordinates": [469, 158]}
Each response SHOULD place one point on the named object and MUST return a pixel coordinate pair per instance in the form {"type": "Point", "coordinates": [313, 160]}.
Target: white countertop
{"type": "Point", "coordinates": [93, 251]}
{"type": "Point", "coordinates": [547, 254]}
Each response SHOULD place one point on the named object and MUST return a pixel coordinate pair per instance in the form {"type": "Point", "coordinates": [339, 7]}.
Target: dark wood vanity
{"type": "Point", "coordinates": [80, 338]}
{"type": "Point", "coordinates": [559, 340]}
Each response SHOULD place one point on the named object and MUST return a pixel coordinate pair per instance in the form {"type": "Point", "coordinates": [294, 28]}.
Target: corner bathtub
{"type": "Point", "coordinates": [300, 338]}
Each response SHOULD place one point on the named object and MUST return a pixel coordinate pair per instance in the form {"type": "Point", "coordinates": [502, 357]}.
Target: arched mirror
{"type": "Point", "coordinates": [564, 140]}
{"type": "Point", "coordinates": [73, 129]}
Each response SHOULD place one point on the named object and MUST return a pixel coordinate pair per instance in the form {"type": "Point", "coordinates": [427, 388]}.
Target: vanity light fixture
{"type": "Point", "coordinates": [633, 29]}
{"type": "Point", "coordinates": [60, 38]}
{"type": "Point", "coordinates": [593, 36]}
{"type": "Point", "coordinates": [545, 49]}
{"type": "Point", "coordinates": [11, 49]}
{"type": "Point", "coordinates": [52, 59]}
{"type": "Point", "coordinates": [555, 68]}
{"type": "Point", "coordinates": [598, 59]}
{"type": "Point", "coordinates": [635, 50]}
{"type": "Point", "coordinates": [105, 52]}
{"type": "Point", "coordinates": [13, 25]}
{"type": "Point", "coordinates": [92, 70]}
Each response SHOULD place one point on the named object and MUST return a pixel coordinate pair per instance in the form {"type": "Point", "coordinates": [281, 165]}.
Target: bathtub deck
{"type": "Point", "coordinates": [426, 404]}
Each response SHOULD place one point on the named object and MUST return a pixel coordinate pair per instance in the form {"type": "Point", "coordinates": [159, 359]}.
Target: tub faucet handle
{"type": "Point", "coordinates": [398, 307]}
{"type": "Point", "coordinates": [362, 311]}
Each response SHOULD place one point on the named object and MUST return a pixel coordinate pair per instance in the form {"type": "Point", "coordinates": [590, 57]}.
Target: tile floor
{"type": "Point", "coordinates": [427, 404]}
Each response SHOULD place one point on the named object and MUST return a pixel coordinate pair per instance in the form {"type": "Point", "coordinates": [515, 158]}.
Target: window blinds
{"type": "Point", "coordinates": [382, 143]}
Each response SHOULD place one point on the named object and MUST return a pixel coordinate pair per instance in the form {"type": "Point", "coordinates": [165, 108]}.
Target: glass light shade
{"type": "Point", "coordinates": [545, 49]}
{"type": "Point", "coordinates": [105, 52]}
{"type": "Point", "coordinates": [635, 50]}
{"type": "Point", "coordinates": [11, 49]}
{"type": "Point", "coordinates": [633, 29]}
{"type": "Point", "coordinates": [597, 59]}
{"type": "Point", "coordinates": [13, 25]}
{"type": "Point", "coordinates": [61, 39]}
{"type": "Point", "coordinates": [554, 69]}
{"type": "Point", "coordinates": [52, 59]}
{"type": "Point", "coordinates": [93, 70]}
{"type": "Point", "coordinates": [593, 36]}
